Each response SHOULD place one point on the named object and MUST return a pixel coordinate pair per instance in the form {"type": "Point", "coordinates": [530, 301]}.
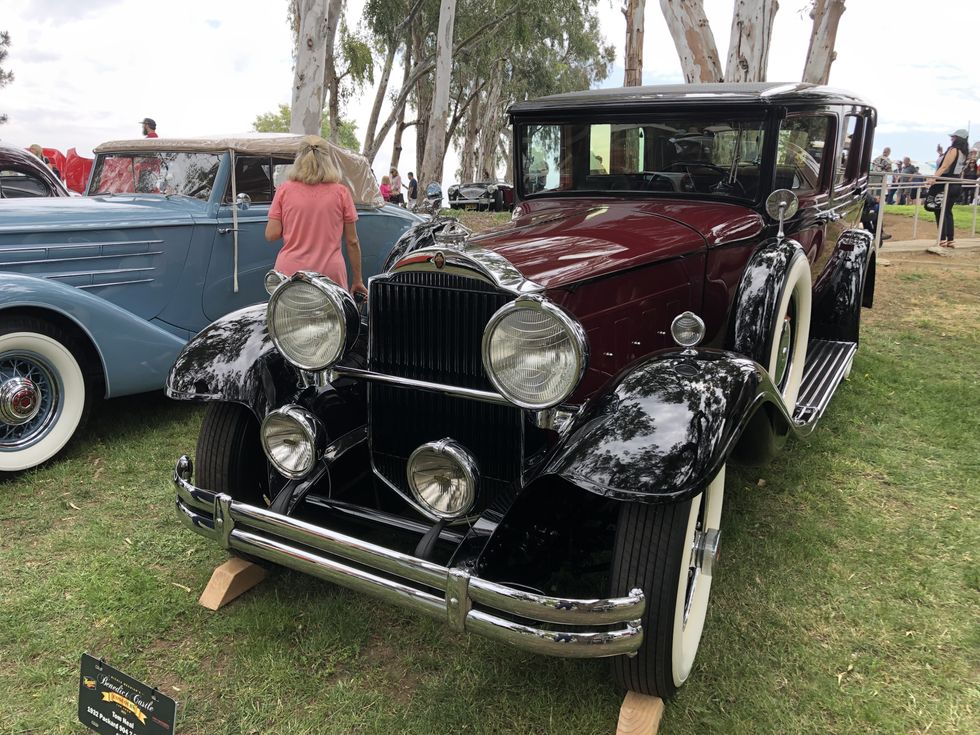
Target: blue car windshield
{"type": "Point", "coordinates": [189, 174]}
{"type": "Point", "coordinates": [688, 156]}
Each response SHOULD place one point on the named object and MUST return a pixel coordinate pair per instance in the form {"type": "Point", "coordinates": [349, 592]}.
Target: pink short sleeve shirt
{"type": "Point", "coordinates": [313, 218]}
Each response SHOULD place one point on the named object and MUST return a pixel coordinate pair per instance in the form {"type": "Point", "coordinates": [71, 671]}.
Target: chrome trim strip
{"type": "Point", "coordinates": [13, 263]}
{"type": "Point", "coordinates": [117, 283]}
{"type": "Point", "coordinates": [80, 245]}
{"type": "Point", "coordinates": [448, 390]}
{"type": "Point", "coordinates": [294, 543]}
{"type": "Point", "coordinates": [472, 261]}
{"type": "Point", "coordinates": [105, 272]}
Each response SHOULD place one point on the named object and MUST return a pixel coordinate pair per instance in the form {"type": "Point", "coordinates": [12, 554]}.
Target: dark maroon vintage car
{"type": "Point", "coordinates": [22, 174]}
{"type": "Point", "coordinates": [525, 433]}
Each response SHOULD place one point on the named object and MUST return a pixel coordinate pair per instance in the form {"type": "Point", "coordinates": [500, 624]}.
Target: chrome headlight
{"type": "Point", "coordinates": [293, 439]}
{"type": "Point", "coordinates": [442, 476]}
{"type": "Point", "coordinates": [534, 353]}
{"type": "Point", "coordinates": [312, 321]}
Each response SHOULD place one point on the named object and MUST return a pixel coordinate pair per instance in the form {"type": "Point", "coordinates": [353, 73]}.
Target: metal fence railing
{"type": "Point", "coordinates": [913, 187]}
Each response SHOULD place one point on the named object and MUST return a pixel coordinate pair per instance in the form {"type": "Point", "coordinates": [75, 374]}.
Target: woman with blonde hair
{"type": "Point", "coordinates": [310, 212]}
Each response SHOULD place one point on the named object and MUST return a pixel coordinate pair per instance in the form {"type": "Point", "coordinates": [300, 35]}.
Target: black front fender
{"type": "Point", "coordinates": [234, 360]}
{"type": "Point", "coordinates": [667, 427]}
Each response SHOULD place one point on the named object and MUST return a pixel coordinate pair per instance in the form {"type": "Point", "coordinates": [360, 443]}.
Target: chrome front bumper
{"type": "Point", "coordinates": [576, 628]}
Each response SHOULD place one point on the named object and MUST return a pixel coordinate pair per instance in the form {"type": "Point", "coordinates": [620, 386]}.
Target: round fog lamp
{"type": "Point", "coordinates": [293, 440]}
{"type": "Point", "coordinates": [442, 476]}
{"type": "Point", "coordinates": [687, 329]}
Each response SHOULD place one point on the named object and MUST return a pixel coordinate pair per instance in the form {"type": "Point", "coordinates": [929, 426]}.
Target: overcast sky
{"type": "Point", "coordinates": [87, 71]}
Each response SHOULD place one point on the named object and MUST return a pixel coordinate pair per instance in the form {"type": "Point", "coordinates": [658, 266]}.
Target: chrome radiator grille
{"type": "Point", "coordinates": [429, 326]}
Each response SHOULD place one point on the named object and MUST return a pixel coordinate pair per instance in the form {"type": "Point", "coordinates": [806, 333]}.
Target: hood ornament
{"type": "Point", "coordinates": [452, 235]}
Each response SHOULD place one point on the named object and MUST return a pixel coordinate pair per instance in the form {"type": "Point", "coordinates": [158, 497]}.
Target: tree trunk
{"type": "Point", "coordinates": [748, 49]}
{"type": "Point", "coordinates": [370, 145]}
{"type": "Point", "coordinates": [334, 10]}
{"type": "Point", "coordinates": [694, 41]}
{"type": "Point", "coordinates": [634, 42]}
{"type": "Point", "coordinates": [826, 17]}
{"type": "Point", "coordinates": [306, 114]}
{"type": "Point", "coordinates": [435, 144]}
{"type": "Point", "coordinates": [396, 147]}
{"type": "Point", "coordinates": [507, 150]}
{"type": "Point", "coordinates": [486, 167]}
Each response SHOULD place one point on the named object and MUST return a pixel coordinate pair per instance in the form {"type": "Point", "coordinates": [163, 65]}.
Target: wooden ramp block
{"type": "Point", "coordinates": [640, 715]}
{"type": "Point", "coordinates": [233, 578]}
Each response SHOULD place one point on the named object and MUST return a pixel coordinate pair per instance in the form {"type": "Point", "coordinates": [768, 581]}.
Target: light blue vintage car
{"type": "Point", "coordinates": [98, 294]}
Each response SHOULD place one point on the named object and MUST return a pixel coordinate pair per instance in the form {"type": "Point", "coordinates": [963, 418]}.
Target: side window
{"type": "Point", "coordinates": [279, 171]}
{"type": "Point", "coordinates": [850, 151]}
{"type": "Point", "coordinates": [253, 176]}
{"type": "Point", "coordinates": [18, 184]}
{"type": "Point", "coordinates": [800, 152]}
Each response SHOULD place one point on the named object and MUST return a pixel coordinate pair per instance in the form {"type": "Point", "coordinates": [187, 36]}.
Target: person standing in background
{"type": "Point", "coordinates": [413, 190]}
{"type": "Point", "coordinates": [396, 187]}
{"type": "Point", "coordinates": [149, 127]}
{"type": "Point", "coordinates": [951, 166]}
{"type": "Point", "coordinates": [311, 212]}
{"type": "Point", "coordinates": [386, 188]}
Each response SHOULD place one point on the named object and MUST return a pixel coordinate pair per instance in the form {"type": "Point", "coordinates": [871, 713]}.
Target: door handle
{"type": "Point", "coordinates": [226, 230]}
{"type": "Point", "coordinates": [828, 216]}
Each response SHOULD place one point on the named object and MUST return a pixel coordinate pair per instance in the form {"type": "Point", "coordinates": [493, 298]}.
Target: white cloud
{"type": "Point", "coordinates": [86, 72]}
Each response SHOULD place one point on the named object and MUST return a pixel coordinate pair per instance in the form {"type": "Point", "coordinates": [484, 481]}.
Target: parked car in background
{"type": "Point", "coordinates": [484, 196]}
{"type": "Point", "coordinates": [526, 435]}
{"type": "Point", "coordinates": [24, 175]}
{"type": "Point", "coordinates": [99, 293]}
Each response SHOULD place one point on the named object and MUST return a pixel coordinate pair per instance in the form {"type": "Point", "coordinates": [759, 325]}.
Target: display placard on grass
{"type": "Point", "coordinates": [112, 703]}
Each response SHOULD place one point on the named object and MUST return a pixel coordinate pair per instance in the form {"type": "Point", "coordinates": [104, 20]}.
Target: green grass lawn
{"type": "Point", "coordinates": [846, 601]}
{"type": "Point", "coordinates": [962, 215]}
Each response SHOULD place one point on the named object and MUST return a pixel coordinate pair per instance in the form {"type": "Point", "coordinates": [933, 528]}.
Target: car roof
{"type": "Point", "coordinates": [11, 154]}
{"type": "Point", "coordinates": [354, 168]}
{"type": "Point", "coordinates": [617, 98]}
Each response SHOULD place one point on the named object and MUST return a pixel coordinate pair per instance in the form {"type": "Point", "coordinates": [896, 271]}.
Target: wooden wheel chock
{"type": "Point", "coordinates": [230, 580]}
{"type": "Point", "coordinates": [640, 714]}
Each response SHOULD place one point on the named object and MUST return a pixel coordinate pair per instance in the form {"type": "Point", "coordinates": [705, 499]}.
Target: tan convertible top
{"type": "Point", "coordinates": [354, 168]}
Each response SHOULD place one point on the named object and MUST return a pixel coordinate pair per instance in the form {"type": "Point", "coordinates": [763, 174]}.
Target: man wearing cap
{"type": "Point", "coordinates": [149, 128]}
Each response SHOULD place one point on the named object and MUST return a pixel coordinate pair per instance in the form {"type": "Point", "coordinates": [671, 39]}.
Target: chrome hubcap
{"type": "Point", "coordinates": [30, 399]}
{"type": "Point", "coordinates": [705, 555]}
{"type": "Point", "coordinates": [782, 354]}
{"type": "Point", "coordinates": [19, 401]}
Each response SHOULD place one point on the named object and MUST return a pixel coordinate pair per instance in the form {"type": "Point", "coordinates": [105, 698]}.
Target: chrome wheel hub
{"type": "Point", "coordinates": [19, 401]}
{"type": "Point", "coordinates": [782, 354]}
{"type": "Point", "coordinates": [705, 554]}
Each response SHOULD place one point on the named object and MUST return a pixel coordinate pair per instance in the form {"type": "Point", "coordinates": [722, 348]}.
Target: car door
{"type": "Point", "coordinates": [256, 178]}
{"type": "Point", "coordinates": [849, 185]}
{"type": "Point", "coordinates": [803, 165]}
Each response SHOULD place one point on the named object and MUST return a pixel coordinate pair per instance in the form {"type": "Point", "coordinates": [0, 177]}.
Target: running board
{"type": "Point", "coordinates": [826, 363]}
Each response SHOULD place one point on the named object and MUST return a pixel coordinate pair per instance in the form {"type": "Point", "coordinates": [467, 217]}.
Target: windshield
{"type": "Point", "coordinates": [190, 174]}
{"type": "Point", "coordinates": [680, 155]}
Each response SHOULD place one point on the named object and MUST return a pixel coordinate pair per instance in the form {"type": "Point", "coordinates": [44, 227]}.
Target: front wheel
{"type": "Point", "coordinates": [669, 551]}
{"type": "Point", "coordinates": [44, 398]}
{"type": "Point", "coordinates": [791, 333]}
{"type": "Point", "coordinates": [229, 454]}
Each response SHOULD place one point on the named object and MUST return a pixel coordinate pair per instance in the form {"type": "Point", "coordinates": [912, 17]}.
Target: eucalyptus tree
{"type": "Point", "coordinates": [634, 10]}
{"type": "Point", "coordinates": [5, 76]}
{"type": "Point", "coordinates": [544, 51]}
{"type": "Point", "coordinates": [751, 35]}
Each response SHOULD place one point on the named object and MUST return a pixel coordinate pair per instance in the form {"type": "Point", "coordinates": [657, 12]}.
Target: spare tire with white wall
{"type": "Point", "coordinates": [44, 395]}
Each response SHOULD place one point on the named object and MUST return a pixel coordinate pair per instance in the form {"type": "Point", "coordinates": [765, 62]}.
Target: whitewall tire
{"type": "Point", "coordinates": [670, 552]}
{"type": "Point", "coordinates": [791, 333]}
{"type": "Point", "coordinates": [43, 393]}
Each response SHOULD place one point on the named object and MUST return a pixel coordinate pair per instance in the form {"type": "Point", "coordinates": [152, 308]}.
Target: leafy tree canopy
{"type": "Point", "coordinates": [5, 76]}
{"type": "Point", "coordinates": [278, 122]}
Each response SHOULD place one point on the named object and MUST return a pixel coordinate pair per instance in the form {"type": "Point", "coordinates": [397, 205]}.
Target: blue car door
{"type": "Point", "coordinates": [256, 178]}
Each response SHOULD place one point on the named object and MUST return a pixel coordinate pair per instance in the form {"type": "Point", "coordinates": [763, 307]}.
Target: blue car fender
{"type": "Point", "coordinates": [665, 429]}
{"type": "Point", "coordinates": [134, 354]}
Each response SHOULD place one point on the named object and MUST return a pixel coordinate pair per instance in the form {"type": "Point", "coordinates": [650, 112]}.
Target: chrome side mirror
{"type": "Point", "coordinates": [781, 205]}
{"type": "Point", "coordinates": [243, 201]}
